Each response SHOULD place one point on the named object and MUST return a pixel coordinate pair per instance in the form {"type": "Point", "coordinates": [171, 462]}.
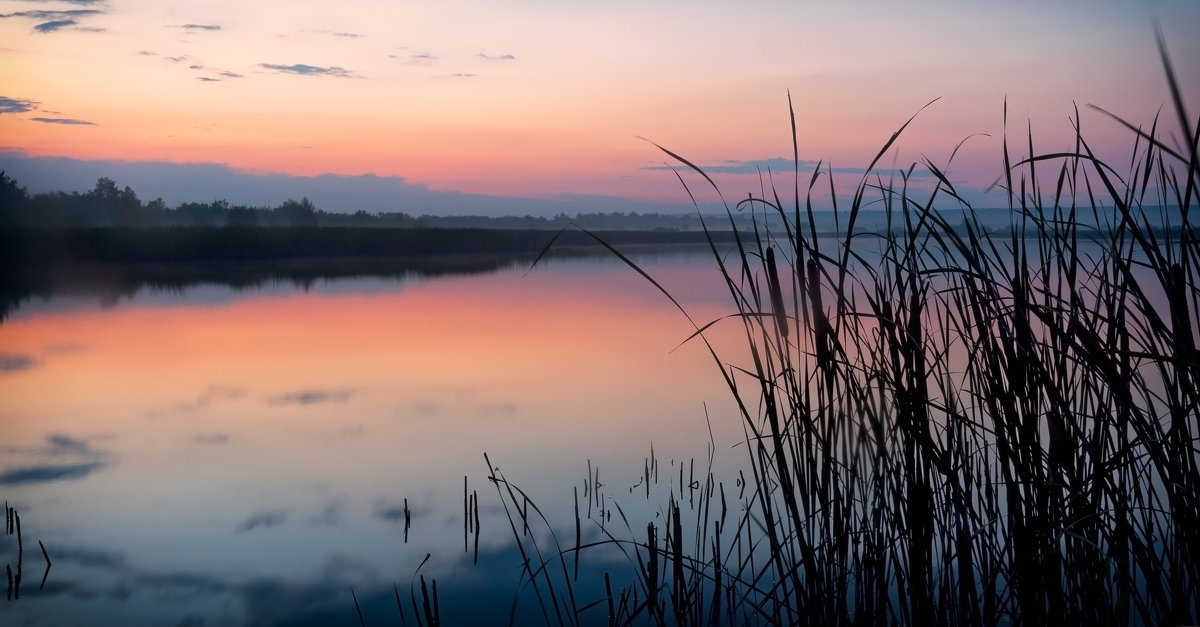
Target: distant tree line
{"type": "Point", "coordinates": [109, 205]}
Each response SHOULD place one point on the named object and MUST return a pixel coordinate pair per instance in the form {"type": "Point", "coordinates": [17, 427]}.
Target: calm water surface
{"type": "Point", "coordinates": [209, 456]}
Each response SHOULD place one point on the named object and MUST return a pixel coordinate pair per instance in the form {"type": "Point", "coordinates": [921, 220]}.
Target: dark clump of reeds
{"type": "Point", "coordinates": [12, 526]}
{"type": "Point", "coordinates": [946, 423]}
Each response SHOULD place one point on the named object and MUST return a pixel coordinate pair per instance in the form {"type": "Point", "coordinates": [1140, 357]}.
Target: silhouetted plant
{"type": "Point", "coordinates": [947, 425]}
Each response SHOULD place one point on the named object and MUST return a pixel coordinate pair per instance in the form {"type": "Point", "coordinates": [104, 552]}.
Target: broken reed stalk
{"type": "Point", "coordinates": [357, 609]}
{"type": "Point", "coordinates": [429, 603]}
{"type": "Point", "coordinates": [412, 591]}
{"type": "Point", "coordinates": [407, 520]}
{"type": "Point", "coordinates": [12, 526]}
{"type": "Point", "coordinates": [475, 523]}
{"type": "Point", "coordinates": [46, 573]}
{"type": "Point", "coordinates": [578, 535]}
{"type": "Point", "coordinates": [608, 597]}
{"type": "Point", "coordinates": [20, 543]}
{"type": "Point", "coordinates": [466, 515]}
{"type": "Point", "coordinates": [679, 594]}
{"type": "Point", "coordinates": [651, 573]}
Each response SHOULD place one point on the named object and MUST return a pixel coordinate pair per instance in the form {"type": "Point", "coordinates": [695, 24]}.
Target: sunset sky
{"type": "Point", "coordinates": [448, 106]}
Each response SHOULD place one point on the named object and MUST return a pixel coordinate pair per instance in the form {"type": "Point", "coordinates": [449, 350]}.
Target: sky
{"type": "Point", "coordinates": [535, 106]}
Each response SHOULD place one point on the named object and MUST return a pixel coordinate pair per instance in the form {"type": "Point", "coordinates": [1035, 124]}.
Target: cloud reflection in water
{"type": "Point", "coordinates": [84, 460]}
{"type": "Point", "coordinates": [313, 397]}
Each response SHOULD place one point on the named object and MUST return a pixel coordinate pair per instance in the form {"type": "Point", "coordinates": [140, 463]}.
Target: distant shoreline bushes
{"type": "Point", "coordinates": [109, 205]}
{"type": "Point", "coordinates": [33, 247]}
{"type": "Point", "coordinates": [111, 262]}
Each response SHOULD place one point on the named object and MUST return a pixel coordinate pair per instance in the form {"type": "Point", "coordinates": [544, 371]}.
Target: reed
{"type": "Point", "coordinates": [12, 526]}
{"type": "Point", "coordinates": [944, 424]}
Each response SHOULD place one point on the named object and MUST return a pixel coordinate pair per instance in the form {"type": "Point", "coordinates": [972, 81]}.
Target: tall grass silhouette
{"type": "Point", "coordinates": [944, 424]}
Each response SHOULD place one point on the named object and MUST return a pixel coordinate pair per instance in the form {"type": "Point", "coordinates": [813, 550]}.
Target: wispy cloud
{"type": "Point", "coordinates": [776, 165]}
{"type": "Point", "coordinates": [194, 65]}
{"type": "Point", "coordinates": [53, 21]}
{"type": "Point", "coordinates": [66, 445]}
{"type": "Point", "coordinates": [313, 397]}
{"type": "Point", "coordinates": [16, 105]}
{"type": "Point", "coordinates": [16, 362]}
{"type": "Point", "coordinates": [264, 519]}
{"type": "Point", "coordinates": [53, 25]}
{"type": "Point", "coordinates": [53, 15]}
{"type": "Point", "coordinates": [733, 166]}
{"type": "Point", "coordinates": [59, 445]}
{"type": "Point", "coordinates": [415, 58]}
{"type": "Point", "coordinates": [219, 77]}
{"type": "Point", "coordinates": [341, 34]}
{"type": "Point", "coordinates": [498, 57]}
{"type": "Point", "coordinates": [73, 459]}
{"type": "Point", "coordinates": [95, 558]}
{"type": "Point", "coordinates": [208, 27]}
{"type": "Point", "coordinates": [394, 512]}
{"type": "Point", "coordinates": [48, 473]}
{"type": "Point", "coordinates": [66, 121]}
{"type": "Point", "coordinates": [266, 600]}
{"type": "Point", "coordinates": [308, 70]}
{"type": "Point", "coordinates": [210, 396]}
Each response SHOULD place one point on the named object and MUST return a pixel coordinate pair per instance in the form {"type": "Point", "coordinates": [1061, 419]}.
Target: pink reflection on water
{"type": "Point", "coordinates": [216, 436]}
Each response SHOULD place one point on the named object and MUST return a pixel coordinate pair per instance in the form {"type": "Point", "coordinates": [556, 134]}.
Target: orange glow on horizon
{"type": "Point", "coordinates": [552, 103]}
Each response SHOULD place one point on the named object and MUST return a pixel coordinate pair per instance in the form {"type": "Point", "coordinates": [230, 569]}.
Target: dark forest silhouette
{"type": "Point", "coordinates": [110, 205]}
{"type": "Point", "coordinates": [108, 243]}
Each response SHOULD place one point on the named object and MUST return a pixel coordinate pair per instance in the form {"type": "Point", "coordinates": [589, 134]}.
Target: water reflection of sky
{"type": "Point", "coordinates": [223, 457]}
{"type": "Point", "coordinates": [206, 294]}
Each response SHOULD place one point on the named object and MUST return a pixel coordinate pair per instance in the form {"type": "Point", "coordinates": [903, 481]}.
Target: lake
{"type": "Point", "coordinates": [298, 451]}
{"type": "Point", "coordinates": [212, 455]}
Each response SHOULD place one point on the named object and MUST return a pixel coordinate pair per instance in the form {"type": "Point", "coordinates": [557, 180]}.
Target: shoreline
{"type": "Point", "coordinates": [92, 263]}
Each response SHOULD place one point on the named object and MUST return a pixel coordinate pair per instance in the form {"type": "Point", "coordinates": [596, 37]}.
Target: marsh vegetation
{"type": "Point", "coordinates": [943, 424]}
